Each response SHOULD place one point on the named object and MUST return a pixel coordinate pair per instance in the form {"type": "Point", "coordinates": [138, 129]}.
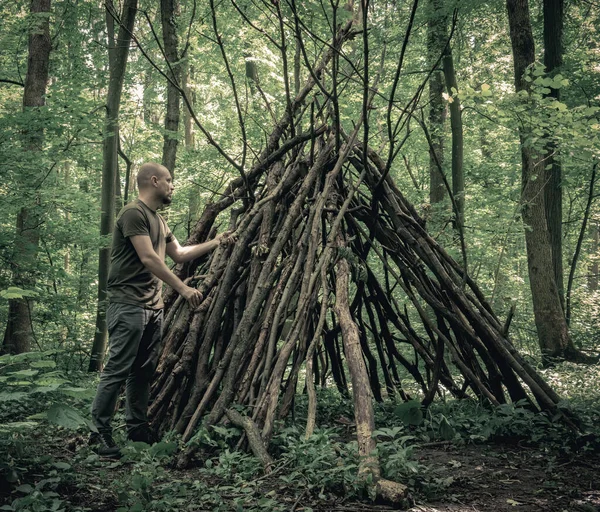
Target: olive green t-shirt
{"type": "Point", "coordinates": [129, 281]}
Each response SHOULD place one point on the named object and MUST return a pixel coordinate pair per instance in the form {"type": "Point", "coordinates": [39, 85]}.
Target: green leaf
{"type": "Point", "coordinates": [17, 425]}
{"type": "Point", "coordinates": [78, 392]}
{"type": "Point", "coordinates": [25, 488]}
{"type": "Point", "coordinates": [50, 381]}
{"type": "Point", "coordinates": [12, 292]}
{"type": "Point", "coordinates": [62, 465]}
{"type": "Point", "coordinates": [38, 416]}
{"type": "Point", "coordinates": [163, 449]}
{"type": "Point", "coordinates": [43, 364]}
{"type": "Point", "coordinates": [46, 389]}
{"type": "Point", "coordinates": [410, 412]}
{"type": "Point", "coordinates": [25, 356]}
{"type": "Point", "coordinates": [7, 396]}
{"type": "Point", "coordinates": [24, 373]}
{"type": "Point", "coordinates": [65, 416]}
{"type": "Point", "coordinates": [446, 430]}
{"type": "Point", "coordinates": [19, 383]}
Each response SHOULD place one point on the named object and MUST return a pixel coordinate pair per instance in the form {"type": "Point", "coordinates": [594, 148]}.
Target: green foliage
{"type": "Point", "coordinates": [32, 391]}
{"type": "Point", "coordinates": [67, 417]}
{"type": "Point", "coordinates": [29, 383]}
{"type": "Point", "coordinates": [146, 485]}
{"type": "Point", "coordinates": [321, 462]}
{"type": "Point", "coordinates": [410, 412]}
{"type": "Point", "coordinates": [42, 494]}
{"type": "Point", "coordinates": [13, 292]}
{"type": "Point", "coordinates": [396, 452]}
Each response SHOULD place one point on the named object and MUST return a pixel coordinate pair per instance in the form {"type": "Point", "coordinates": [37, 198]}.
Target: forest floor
{"type": "Point", "coordinates": [517, 478]}
{"type": "Point", "coordinates": [491, 477]}
{"type": "Point", "coordinates": [459, 456]}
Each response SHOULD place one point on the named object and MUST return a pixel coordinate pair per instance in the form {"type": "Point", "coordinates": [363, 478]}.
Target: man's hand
{"type": "Point", "coordinates": [227, 238]}
{"type": "Point", "coordinates": [193, 296]}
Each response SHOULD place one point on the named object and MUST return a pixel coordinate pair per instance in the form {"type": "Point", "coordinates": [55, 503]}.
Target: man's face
{"type": "Point", "coordinates": [165, 187]}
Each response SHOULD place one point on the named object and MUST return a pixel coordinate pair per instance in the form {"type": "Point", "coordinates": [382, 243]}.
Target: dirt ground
{"type": "Point", "coordinates": [477, 478]}
{"type": "Point", "coordinates": [500, 478]}
{"type": "Point", "coordinates": [497, 478]}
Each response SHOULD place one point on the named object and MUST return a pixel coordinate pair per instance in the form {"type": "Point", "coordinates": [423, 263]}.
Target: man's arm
{"type": "Point", "coordinates": [181, 254]}
{"type": "Point", "coordinates": [151, 260]}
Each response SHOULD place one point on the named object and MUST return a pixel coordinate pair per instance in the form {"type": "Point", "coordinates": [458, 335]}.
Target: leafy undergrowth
{"type": "Point", "coordinates": [456, 456]}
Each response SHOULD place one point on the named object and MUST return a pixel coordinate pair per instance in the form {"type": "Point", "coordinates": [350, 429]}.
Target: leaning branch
{"type": "Point", "coordinates": [11, 82]}
{"type": "Point", "coordinates": [586, 217]}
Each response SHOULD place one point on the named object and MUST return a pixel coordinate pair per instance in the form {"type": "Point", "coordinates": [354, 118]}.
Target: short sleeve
{"type": "Point", "coordinates": [133, 222]}
{"type": "Point", "coordinates": [169, 237]}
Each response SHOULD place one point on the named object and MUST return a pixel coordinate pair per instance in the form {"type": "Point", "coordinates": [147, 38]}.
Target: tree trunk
{"type": "Point", "coordinates": [187, 75]}
{"type": "Point", "coordinates": [361, 391]}
{"type": "Point", "coordinates": [436, 42]}
{"type": "Point", "coordinates": [458, 177]}
{"type": "Point", "coordinates": [594, 268]}
{"type": "Point", "coordinates": [553, 60]}
{"type": "Point", "coordinates": [118, 64]}
{"type": "Point", "coordinates": [188, 122]}
{"type": "Point", "coordinates": [19, 334]}
{"type": "Point", "coordinates": [550, 321]}
{"type": "Point", "coordinates": [169, 11]}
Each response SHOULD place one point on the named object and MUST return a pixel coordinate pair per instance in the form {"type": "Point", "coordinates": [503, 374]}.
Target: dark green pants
{"type": "Point", "coordinates": [134, 335]}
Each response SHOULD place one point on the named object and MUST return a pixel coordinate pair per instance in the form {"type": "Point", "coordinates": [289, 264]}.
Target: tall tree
{"type": "Point", "coordinates": [117, 64]}
{"type": "Point", "coordinates": [169, 10]}
{"type": "Point", "coordinates": [594, 268]}
{"type": "Point", "coordinates": [436, 42]}
{"type": "Point", "coordinates": [553, 60]}
{"type": "Point", "coordinates": [551, 326]}
{"type": "Point", "coordinates": [458, 178]}
{"type": "Point", "coordinates": [18, 334]}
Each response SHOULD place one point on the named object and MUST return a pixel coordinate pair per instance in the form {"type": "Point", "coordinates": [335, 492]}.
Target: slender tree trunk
{"type": "Point", "coordinates": [194, 203]}
{"type": "Point", "coordinates": [458, 177]}
{"type": "Point", "coordinates": [361, 388]}
{"type": "Point", "coordinates": [550, 321]}
{"type": "Point", "coordinates": [188, 122]}
{"type": "Point", "coordinates": [251, 68]}
{"type": "Point", "coordinates": [594, 268]}
{"type": "Point", "coordinates": [19, 334]}
{"type": "Point", "coordinates": [436, 41]}
{"type": "Point", "coordinates": [553, 60]}
{"type": "Point", "coordinates": [169, 11]}
{"type": "Point", "coordinates": [361, 391]}
{"type": "Point", "coordinates": [118, 64]}
{"type": "Point", "coordinates": [577, 252]}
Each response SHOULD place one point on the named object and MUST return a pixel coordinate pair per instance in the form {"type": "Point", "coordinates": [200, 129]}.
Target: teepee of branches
{"type": "Point", "coordinates": [331, 269]}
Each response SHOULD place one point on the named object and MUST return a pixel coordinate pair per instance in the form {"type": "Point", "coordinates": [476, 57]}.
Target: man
{"type": "Point", "coordinates": [135, 312]}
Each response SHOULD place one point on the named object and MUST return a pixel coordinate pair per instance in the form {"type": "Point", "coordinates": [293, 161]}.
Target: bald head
{"type": "Point", "coordinates": [147, 171]}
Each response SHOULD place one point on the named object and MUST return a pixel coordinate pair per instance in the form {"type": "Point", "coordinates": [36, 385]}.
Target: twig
{"type": "Point", "coordinates": [12, 82]}
{"type": "Point", "coordinates": [235, 97]}
{"type": "Point", "coordinates": [586, 217]}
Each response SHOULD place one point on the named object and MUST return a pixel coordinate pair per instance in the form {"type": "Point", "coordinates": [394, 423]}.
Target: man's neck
{"type": "Point", "coordinates": [150, 202]}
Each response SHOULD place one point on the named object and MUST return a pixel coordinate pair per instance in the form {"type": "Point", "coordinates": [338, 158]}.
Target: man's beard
{"type": "Point", "coordinates": [167, 200]}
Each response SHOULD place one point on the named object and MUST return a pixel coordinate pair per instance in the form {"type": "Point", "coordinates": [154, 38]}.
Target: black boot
{"type": "Point", "coordinates": [104, 445]}
{"type": "Point", "coordinates": [143, 434]}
